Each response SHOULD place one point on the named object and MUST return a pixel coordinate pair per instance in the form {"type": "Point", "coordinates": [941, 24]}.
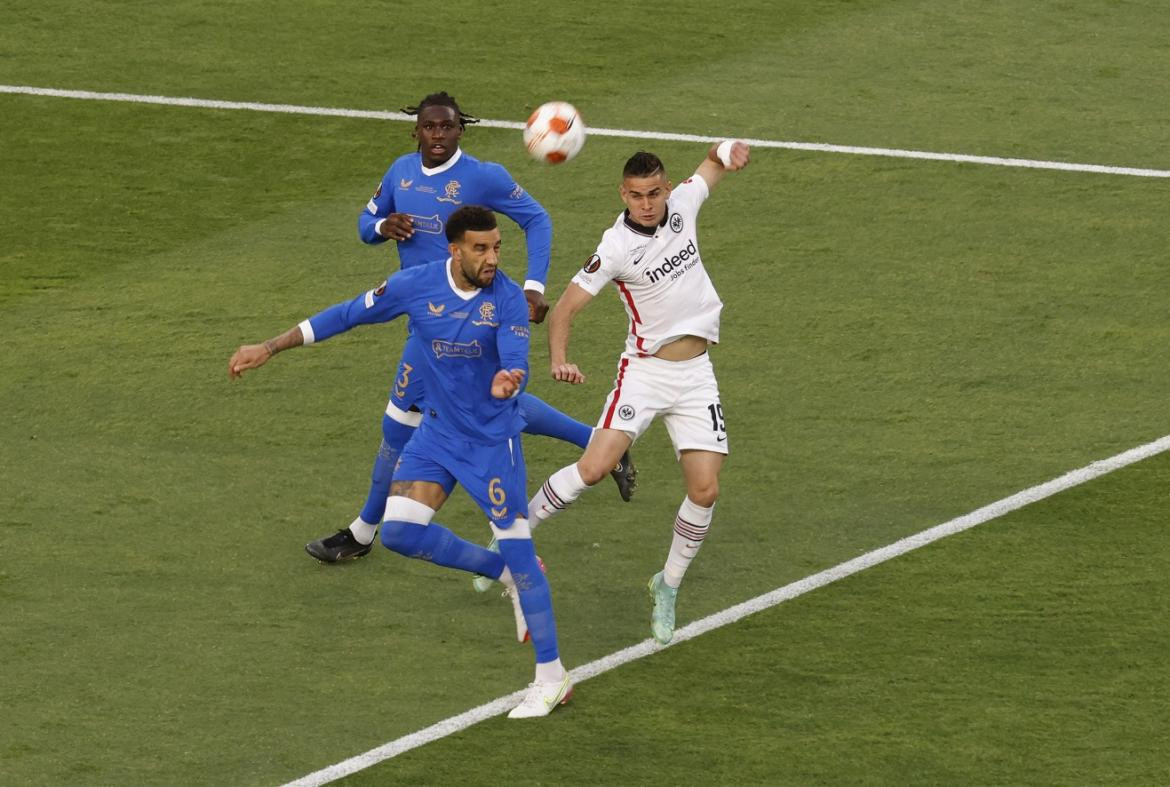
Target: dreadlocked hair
{"type": "Point", "coordinates": [441, 100]}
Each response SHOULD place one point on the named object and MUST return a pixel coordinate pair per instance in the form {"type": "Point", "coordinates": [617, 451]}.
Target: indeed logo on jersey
{"type": "Point", "coordinates": [676, 264]}
{"type": "Point", "coordinates": [469, 349]}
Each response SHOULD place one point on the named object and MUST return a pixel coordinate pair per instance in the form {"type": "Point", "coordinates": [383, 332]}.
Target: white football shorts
{"type": "Point", "coordinates": [684, 393]}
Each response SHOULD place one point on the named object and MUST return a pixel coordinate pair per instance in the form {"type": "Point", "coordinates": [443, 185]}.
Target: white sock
{"type": "Point", "coordinates": [690, 528]}
{"type": "Point", "coordinates": [550, 672]}
{"type": "Point", "coordinates": [363, 531]}
{"type": "Point", "coordinates": [505, 578]}
{"type": "Point", "coordinates": [562, 487]}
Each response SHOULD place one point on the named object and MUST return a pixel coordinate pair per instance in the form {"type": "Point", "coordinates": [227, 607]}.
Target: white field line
{"type": "Point", "coordinates": [994, 161]}
{"type": "Point", "coordinates": [732, 614]}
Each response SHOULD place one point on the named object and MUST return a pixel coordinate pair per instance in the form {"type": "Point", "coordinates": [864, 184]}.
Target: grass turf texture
{"type": "Point", "coordinates": [903, 342]}
{"type": "Point", "coordinates": [1026, 651]}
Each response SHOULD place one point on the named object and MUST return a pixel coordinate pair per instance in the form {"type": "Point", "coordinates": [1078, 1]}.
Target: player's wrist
{"type": "Point", "coordinates": [721, 153]}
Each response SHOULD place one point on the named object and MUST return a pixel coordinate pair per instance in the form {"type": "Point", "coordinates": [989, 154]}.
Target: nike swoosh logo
{"type": "Point", "coordinates": [550, 704]}
{"type": "Point", "coordinates": [720, 439]}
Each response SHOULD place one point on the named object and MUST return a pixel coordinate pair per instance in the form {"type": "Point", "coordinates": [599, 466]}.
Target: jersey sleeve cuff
{"type": "Point", "coordinates": [307, 331]}
{"type": "Point", "coordinates": [533, 284]}
{"type": "Point", "coordinates": [378, 226]}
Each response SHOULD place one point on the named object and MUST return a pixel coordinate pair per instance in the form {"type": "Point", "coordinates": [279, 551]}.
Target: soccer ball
{"type": "Point", "coordinates": [554, 133]}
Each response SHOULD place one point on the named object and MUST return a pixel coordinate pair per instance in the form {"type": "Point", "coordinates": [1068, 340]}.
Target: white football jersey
{"type": "Point", "coordinates": [660, 277]}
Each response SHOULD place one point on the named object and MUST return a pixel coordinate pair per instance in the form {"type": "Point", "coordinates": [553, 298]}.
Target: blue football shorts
{"type": "Point", "coordinates": [493, 475]}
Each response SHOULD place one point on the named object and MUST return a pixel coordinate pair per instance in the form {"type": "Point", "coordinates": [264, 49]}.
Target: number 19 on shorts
{"type": "Point", "coordinates": [717, 422]}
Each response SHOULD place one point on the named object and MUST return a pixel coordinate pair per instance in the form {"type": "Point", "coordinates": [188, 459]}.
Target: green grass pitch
{"type": "Point", "coordinates": [903, 341]}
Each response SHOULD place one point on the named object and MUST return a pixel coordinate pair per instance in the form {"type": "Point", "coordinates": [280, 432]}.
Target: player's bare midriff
{"type": "Point", "coordinates": [683, 348]}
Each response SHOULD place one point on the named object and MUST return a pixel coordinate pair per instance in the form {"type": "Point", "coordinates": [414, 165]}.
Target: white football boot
{"type": "Point", "coordinates": [542, 698]}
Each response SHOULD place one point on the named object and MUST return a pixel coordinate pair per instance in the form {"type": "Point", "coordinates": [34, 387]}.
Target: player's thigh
{"type": "Point", "coordinates": [700, 471]}
{"type": "Point", "coordinates": [422, 473]}
{"type": "Point", "coordinates": [604, 451]}
{"type": "Point", "coordinates": [638, 396]}
{"type": "Point", "coordinates": [495, 478]}
{"type": "Point", "coordinates": [696, 421]}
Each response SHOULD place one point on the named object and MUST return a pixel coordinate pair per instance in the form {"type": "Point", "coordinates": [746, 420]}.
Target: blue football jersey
{"type": "Point", "coordinates": [468, 336]}
{"type": "Point", "coordinates": [429, 196]}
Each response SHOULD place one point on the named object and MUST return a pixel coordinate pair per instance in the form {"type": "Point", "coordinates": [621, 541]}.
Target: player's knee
{"type": "Point", "coordinates": [592, 470]}
{"type": "Point", "coordinates": [589, 475]}
{"type": "Point", "coordinates": [704, 494]}
{"type": "Point", "coordinates": [395, 432]}
{"type": "Point", "coordinates": [401, 537]}
{"type": "Point", "coordinates": [405, 525]}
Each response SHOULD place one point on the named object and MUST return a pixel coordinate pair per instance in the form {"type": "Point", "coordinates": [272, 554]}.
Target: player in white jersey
{"type": "Point", "coordinates": [651, 254]}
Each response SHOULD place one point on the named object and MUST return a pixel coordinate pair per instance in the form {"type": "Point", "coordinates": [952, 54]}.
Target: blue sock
{"type": "Point", "coordinates": [535, 599]}
{"type": "Point", "coordinates": [544, 419]}
{"type": "Point", "coordinates": [436, 544]}
{"type": "Point", "coordinates": [394, 437]}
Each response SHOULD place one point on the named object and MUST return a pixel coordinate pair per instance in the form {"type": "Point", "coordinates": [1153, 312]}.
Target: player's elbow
{"type": "Point", "coordinates": [538, 222]}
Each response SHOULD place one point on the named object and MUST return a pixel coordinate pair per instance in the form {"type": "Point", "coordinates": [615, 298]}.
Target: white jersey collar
{"type": "Point", "coordinates": [446, 165]}
{"type": "Point", "coordinates": [464, 294]}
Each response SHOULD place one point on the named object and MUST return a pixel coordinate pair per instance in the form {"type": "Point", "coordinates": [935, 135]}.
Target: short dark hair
{"type": "Point", "coordinates": [441, 100]}
{"type": "Point", "coordinates": [643, 165]}
{"type": "Point", "coordinates": [476, 218]}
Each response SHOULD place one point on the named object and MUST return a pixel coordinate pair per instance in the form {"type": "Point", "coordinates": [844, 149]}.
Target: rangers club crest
{"type": "Point", "coordinates": [451, 193]}
{"type": "Point", "coordinates": [487, 315]}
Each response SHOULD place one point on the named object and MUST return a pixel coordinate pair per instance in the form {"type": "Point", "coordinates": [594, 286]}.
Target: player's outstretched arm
{"type": "Point", "coordinates": [560, 323]}
{"type": "Point", "coordinates": [253, 356]}
{"type": "Point", "coordinates": [727, 156]}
